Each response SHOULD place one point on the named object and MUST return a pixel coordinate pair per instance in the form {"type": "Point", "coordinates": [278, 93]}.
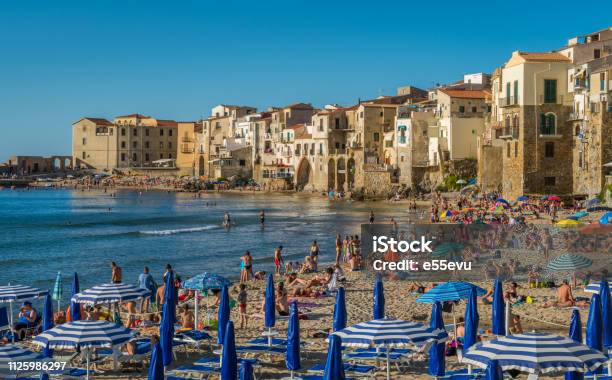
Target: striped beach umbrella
{"type": "Point", "coordinates": [14, 293]}
{"type": "Point", "coordinates": [450, 291]}
{"type": "Point", "coordinates": [13, 353]}
{"type": "Point", "coordinates": [569, 262]}
{"type": "Point", "coordinates": [108, 293]}
{"type": "Point", "coordinates": [535, 353]}
{"type": "Point", "coordinates": [58, 290]}
{"type": "Point", "coordinates": [595, 287]}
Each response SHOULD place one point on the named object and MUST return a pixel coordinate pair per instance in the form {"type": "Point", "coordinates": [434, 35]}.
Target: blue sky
{"type": "Point", "coordinates": [62, 60]}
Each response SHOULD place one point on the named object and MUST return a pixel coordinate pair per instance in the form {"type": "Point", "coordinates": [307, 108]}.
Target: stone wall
{"type": "Point", "coordinates": [376, 183]}
{"type": "Point", "coordinates": [490, 168]}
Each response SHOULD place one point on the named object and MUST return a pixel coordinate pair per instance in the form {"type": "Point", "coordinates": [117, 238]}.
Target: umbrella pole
{"type": "Point", "coordinates": [87, 355]}
{"type": "Point", "coordinates": [269, 336]}
{"type": "Point", "coordinates": [195, 297]}
{"type": "Point", "coordinates": [388, 365]}
{"type": "Point", "coordinates": [11, 322]}
{"type": "Point", "coordinates": [507, 317]}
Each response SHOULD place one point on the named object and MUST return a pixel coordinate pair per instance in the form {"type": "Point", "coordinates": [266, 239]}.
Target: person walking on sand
{"type": "Point", "coordinates": [338, 248]}
{"type": "Point", "coordinates": [278, 259]}
{"type": "Point", "coordinates": [247, 266]}
{"type": "Point", "coordinates": [115, 273]}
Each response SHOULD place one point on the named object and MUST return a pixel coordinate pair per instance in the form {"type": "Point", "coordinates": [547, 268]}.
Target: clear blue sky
{"type": "Point", "coordinates": [62, 60]}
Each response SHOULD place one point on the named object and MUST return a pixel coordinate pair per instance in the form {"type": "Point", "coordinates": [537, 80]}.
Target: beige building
{"type": "Point", "coordinates": [190, 158]}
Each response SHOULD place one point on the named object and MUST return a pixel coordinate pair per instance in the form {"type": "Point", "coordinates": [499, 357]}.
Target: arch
{"type": "Point", "coordinates": [331, 174]}
{"type": "Point", "coordinates": [201, 166]}
{"type": "Point", "coordinates": [341, 173]}
{"type": "Point", "coordinates": [303, 175]}
{"type": "Point", "coordinates": [57, 163]}
{"type": "Point", "coordinates": [67, 163]}
{"type": "Point", "coordinates": [350, 173]}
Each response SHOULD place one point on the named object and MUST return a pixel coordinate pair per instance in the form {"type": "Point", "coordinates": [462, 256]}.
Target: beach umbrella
{"type": "Point", "coordinates": [592, 202]}
{"type": "Point", "coordinates": [536, 353]}
{"type": "Point", "coordinates": [502, 200]}
{"type": "Point", "coordinates": [47, 322]}
{"type": "Point", "coordinates": [292, 359]}
{"type": "Point", "coordinates": [223, 315]}
{"type": "Point", "coordinates": [450, 291]}
{"type": "Point", "coordinates": [522, 198]}
{"type": "Point", "coordinates": [446, 214]}
{"type": "Point", "coordinates": [75, 309]}
{"type": "Point", "coordinates": [156, 366]}
{"type": "Point", "coordinates": [471, 321]}
{"type": "Point", "coordinates": [334, 368]}
{"type": "Point", "coordinates": [599, 208]}
{"type": "Point", "coordinates": [494, 371]}
{"type": "Point", "coordinates": [166, 328]}
{"type": "Point", "coordinates": [229, 360]}
{"type": "Point", "coordinates": [569, 262]}
{"type": "Point", "coordinates": [58, 290]}
{"type": "Point", "coordinates": [13, 293]}
{"type": "Point", "coordinates": [595, 288]}
{"type": "Point", "coordinates": [594, 333]}
{"type": "Point", "coordinates": [436, 351]}
{"type": "Point", "coordinates": [498, 314]}
{"type": "Point", "coordinates": [575, 333]}
{"type": "Point", "coordinates": [270, 308]}
{"type": "Point", "coordinates": [605, 219]}
{"type": "Point", "coordinates": [606, 313]}
{"type": "Point", "coordinates": [84, 336]}
{"type": "Point", "coordinates": [204, 282]}
{"type": "Point", "coordinates": [11, 353]}
{"type": "Point", "coordinates": [110, 293]}
{"type": "Point", "coordinates": [379, 299]}
{"type": "Point", "coordinates": [340, 310]}
{"type": "Point", "coordinates": [246, 370]}
{"type": "Point", "coordinates": [554, 198]}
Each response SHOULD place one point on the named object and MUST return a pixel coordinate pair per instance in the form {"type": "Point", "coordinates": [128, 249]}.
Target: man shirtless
{"type": "Point", "coordinates": [278, 259]}
{"type": "Point", "coordinates": [564, 298]}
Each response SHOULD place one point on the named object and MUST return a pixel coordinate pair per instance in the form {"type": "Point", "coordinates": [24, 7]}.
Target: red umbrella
{"type": "Point", "coordinates": [554, 198]}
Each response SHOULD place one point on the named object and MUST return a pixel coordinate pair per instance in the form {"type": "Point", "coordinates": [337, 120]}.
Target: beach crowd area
{"type": "Point", "coordinates": [536, 303]}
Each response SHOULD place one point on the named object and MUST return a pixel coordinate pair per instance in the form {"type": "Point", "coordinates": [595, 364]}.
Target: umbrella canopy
{"type": "Point", "coordinates": [569, 262]}
{"type": "Point", "coordinates": [334, 368]}
{"type": "Point", "coordinates": [592, 202]}
{"type": "Point", "coordinates": [229, 360]}
{"type": "Point", "coordinates": [471, 321]}
{"type": "Point", "coordinates": [75, 309]}
{"type": "Point", "coordinates": [605, 219]}
{"type": "Point", "coordinates": [13, 353]}
{"type": "Point", "coordinates": [594, 327]}
{"type": "Point", "coordinates": [379, 299]}
{"type": "Point", "coordinates": [223, 315]}
{"type": "Point", "coordinates": [606, 313]}
{"type": "Point", "coordinates": [535, 353]}
{"type": "Point", "coordinates": [450, 291]}
{"type": "Point", "coordinates": [206, 281]}
{"type": "Point", "coordinates": [461, 182]}
{"type": "Point", "coordinates": [109, 293]}
{"type": "Point", "coordinates": [12, 293]}
{"type": "Point", "coordinates": [502, 200]}
{"type": "Point", "coordinates": [58, 288]}
{"type": "Point", "coordinates": [270, 303]}
{"type": "Point", "coordinates": [446, 214]}
{"type": "Point", "coordinates": [437, 358]}
{"type": "Point", "coordinates": [388, 332]}
{"type": "Point", "coordinates": [554, 198]}
{"type": "Point", "coordinates": [498, 314]}
{"type": "Point", "coordinates": [567, 223]}
{"type": "Point", "coordinates": [595, 288]}
{"type": "Point", "coordinates": [575, 334]}
{"type": "Point", "coordinates": [156, 366]}
{"type": "Point", "coordinates": [340, 310]}
{"type": "Point", "coordinates": [166, 328]}
{"type": "Point", "coordinates": [83, 334]}
{"type": "Point", "coordinates": [292, 359]}
{"type": "Point", "coordinates": [522, 198]}
{"type": "Point", "coordinates": [47, 321]}
{"type": "Point", "coordinates": [494, 371]}
{"type": "Point", "coordinates": [599, 208]}
{"type": "Point", "coordinates": [246, 370]}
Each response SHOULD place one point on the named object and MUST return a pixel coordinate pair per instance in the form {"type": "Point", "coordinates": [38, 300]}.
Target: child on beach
{"type": "Point", "coordinates": [242, 304]}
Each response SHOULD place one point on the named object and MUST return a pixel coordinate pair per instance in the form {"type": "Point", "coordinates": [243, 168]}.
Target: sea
{"type": "Point", "coordinates": [48, 231]}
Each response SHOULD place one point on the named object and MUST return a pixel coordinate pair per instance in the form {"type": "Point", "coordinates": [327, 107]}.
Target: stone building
{"type": "Point", "coordinates": [190, 157]}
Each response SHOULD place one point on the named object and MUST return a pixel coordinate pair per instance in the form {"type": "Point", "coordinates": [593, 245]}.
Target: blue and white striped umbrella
{"type": "Point", "coordinates": [206, 281]}
{"type": "Point", "coordinates": [594, 287]}
{"type": "Point", "coordinates": [107, 293]}
{"type": "Point", "coordinates": [58, 288]}
{"type": "Point", "coordinates": [569, 262]}
{"type": "Point", "coordinates": [11, 293]}
{"type": "Point", "coordinates": [450, 291]}
{"type": "Point", "coordinates": [84, 334]}
{"type": "Point", "coordinates": [388, 332]}
{"type": "Point", "coordinates": [13, 353]}
{"type": "Point", "coordinates": [535, 353]}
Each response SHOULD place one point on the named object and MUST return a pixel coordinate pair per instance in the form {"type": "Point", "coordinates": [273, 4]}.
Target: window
{"type": "Point", "coordinates": [147, 145]}
{"type": "Point", "coordinates": [549, 181]}
{"type": "Point", "coordinates": [602, 81]}
{"type": "Point", "coordinates": [462, 109]}
{"type": "Point", "coordinates": [161, 155]}
{"type": "Point", "coordinates": [84, 141]}
{"type": "Point", "coordinates": [321, 125]}
{"type": "Point", "coordinates": [337, 123]}
{"type": "Point", "coordinates": [596, 53]}
{"type": "Point", "coordinates": [84, 129]}
{"type": "Point", "coordinates": [134, 157]}
{"type": "Point", "coordinates": [381, 113]}
{"type": "Point", "coordinates": [135, 132]}
{"type": "Point", "coordinates": [516, 149]}
{"type": "Point", "coordinates": [508, 150]}
{"type": "Point", "coordinates": [242, 162]}
{"type": "Point", "coordinates": [549, 149]}
{"type": "Point", "coordinates": [84, 155]}
{"type": "Point", "coordinates": [550, 91]}
{"type": "Point", "coordinates": [580, 159]}
{"type": "Point", "coordinates": [122, 156]}
{"type": "Point", "coordinates": [474, 109]}
{"type": "Point", "coordinates": [548, 124]}
{"type": "Point", "coordinates": [508, 88]}
{"type": "Point", "coordinates": [122, 131]}
{"type": "Point", "coordinates": [147, 132]}
{"type": "Point", "coordinates": [123, 144]}
{"type": "Point", "coordinates": [134, 144]}
{"type": "Point", "coordinates": [146, 156]}
{"type": "Point", "coordinates": [169, 132]}
{"type": "Point", "coordinates": [161, 131]}
{"type": "Point", "coordinates": [169, 144]}
{"type": "Point", "coordinates": [361, 114]}
{"type": "Point", "coordinates": [376, 136]}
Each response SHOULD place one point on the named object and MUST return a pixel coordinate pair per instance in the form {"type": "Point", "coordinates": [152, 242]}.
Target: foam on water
{"type": "Point", "coordinates": [179, 230]}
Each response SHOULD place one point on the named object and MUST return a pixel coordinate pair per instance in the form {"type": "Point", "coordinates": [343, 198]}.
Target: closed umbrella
{"type": "Point", "coordinates": [223, 315]}
{"type": "Point", "coordinates": [58, 290]}
{"type": "Point", "coordinates": [606, 313]}
{"type": "Point", "coordinates": [436, 352]}
{"type": "Point", "coordinates": [334, 368]}
{"type": "Point", "coordinates": [156, 366]}
{"type": "Point", "coordinates": [498, 313]}
{"type": "Point", "coordinates": [292, 359]}
{"type": "Point", "coordinates": [379, 299]}
{"type": "Point", "coordinates": [575, 334]}
{"type": "Point", "coordinates": [471, 321]}
{"type": "Point", "coordinates": [47, 322]}
{"type": "Point", "coordinates": [75, 309]}
{"type": "Point", "coordinates": [166, 328]}
{"type": "Point", "coordinates": [14, 293]}
{"type": "Point", "coordinates": [270, 308]}
{"type": "Point", "coordinates": [594, 333]}
{"type": "Point", "coordinates": [340, 310]}
{"type": "Point", "coordinates": [246, 370]}
{"type": "Point", "coordinates": [229, 360]}
{"type": "Point", "coordinates": [494, 371]}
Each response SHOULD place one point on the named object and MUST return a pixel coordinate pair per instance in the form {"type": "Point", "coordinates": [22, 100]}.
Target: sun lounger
{"type": "Point", "coordinates": [401, 351]}
{"type": "Point", "coordinates": [212, 361]}
{"type": "Point", "coordinates": [262, 350]}
{"type": "Point", "coordinates": [356, 369]}
{"type": "Point", "coordinates": [192, 371]}
{"type": "Point", "coordinates": [317, 377]}
{"type": "Point", "coordinates": [194, 338]}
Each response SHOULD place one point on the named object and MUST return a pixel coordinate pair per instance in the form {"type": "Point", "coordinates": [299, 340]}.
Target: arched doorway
{"type": "Point", "coordinates": [331, 174]}
{"type": "Point", "coordinates": [303, 174]}
{"type": "Point", "coordinates": [67, 164]}
{"type": "Point", "coordinates": [341, 173]}
{"type": "Point", "coordinates": [57, 164]}
{"type": "Point", "coordinates": [350, 173]}
{"type": "Point", "coordinates": [201, 166]}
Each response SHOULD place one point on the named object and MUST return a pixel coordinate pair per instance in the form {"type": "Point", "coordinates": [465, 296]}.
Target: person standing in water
{"type": "Point", "coordinates": [262, 217]}
{"type": "Point", "coordinates": [338, 248]}
{"type": "Point", "coordinates": [227, 219]}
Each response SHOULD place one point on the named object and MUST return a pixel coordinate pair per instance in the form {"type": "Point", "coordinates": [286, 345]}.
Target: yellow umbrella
{"type": "Point", "coordinates": [568, 223]}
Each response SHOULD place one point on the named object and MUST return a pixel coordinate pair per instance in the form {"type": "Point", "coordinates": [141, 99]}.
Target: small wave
{"type": "Point", "coordinates": [178, 230]}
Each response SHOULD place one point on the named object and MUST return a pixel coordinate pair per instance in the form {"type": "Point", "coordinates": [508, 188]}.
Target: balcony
{"type": "Point", "coordinates": [186, 148]}
{"type": "Point", "coordinates": [580, 84]}
{"type": "Point", "coordinates": [186, 139]}
{"type": "Point", "coordinates": [508, 101]}
{"type": "Point", "coordinates": [550, 100]}
{"type": "Point", "coordinates": [508, 133]}
{"type": "Point", "coordinates": [575, 116]}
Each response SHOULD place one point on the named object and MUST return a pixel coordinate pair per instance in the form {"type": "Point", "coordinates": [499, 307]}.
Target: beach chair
{"type": "Point", "coordinates": [193, 371]}
{"type": "Point", "coordinates": [357, 370]}
{"type": "Point", "coordinates": [5, 326]}
{"type": "Point", "coordinates": [381, 357]}
{"type": "Point", "coordinates": [193, 338]}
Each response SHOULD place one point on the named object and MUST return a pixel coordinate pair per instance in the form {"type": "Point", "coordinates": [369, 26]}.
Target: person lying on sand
{"type": "Point", "coordinates": [306, 292]}
{"type": "Point", "coordinates": [315, 281]}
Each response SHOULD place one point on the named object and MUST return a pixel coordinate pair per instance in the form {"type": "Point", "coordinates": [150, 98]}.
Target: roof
{"type": "Point", "coordinates": [132, 116]}
{"type": "Point", "coordinates": [166, 123]}
{"type": "Point", "coordinates": [519, 57]}
{"type": "Point", "coordinates": [464, 94]}
{"type": "Point", "coordinates": [300, 106]}
{"type": "Point", "coordinates": [96, 120]}
{"type": "Point", "coordinates": [295, 126]}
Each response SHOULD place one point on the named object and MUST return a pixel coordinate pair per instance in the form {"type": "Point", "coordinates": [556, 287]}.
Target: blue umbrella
{"type": "Point", "coordinates": [47, 322]}
{"type": "Point", "coordinates": [223, 315]}
{"type": "Point", "coordinates": [502, 200]}
{"type": "Point", "coordinates": [229, 360]}
{"type": "Point", "coordinates": [156, 366]}
{"type": "Point", "coordinates": [450, 291]}
{"type": "Point", "coordinates": [605, 219]}
{"type": "Point", "coordinates": [166, 328]}
{"type": "Point", "coordinates": [292, 360]}
{"type": "Point", "coordinates": [592, 202]}
{"type": "Point", "coordinates": [379, 299]}
{"type": "Point", "coordinates": [334, 368]}
{"type": "Point", "coordinates": [436, 352]}
{"type": "Point", "coordinates": [498, 314]}
{"type": "Point", "coordinates": [594, 333]}
{"type": "Point", "coordinates": [44, 376]}
{"type": "Point", "coordinates": [575, 333]}
{"type": "Point", "coordinates": [246, 370]}
{"type": "Point", "coordinates": [206, 281]}
{"type": "Point", "coordinates": [471, 321]}
{"type": "Point", "coordinates": [522, 198]}
{"type": "Point", "coordinates": [494, 371]}
{"type": "Point", "coordinates": [606, 313]}
{"type": "Point", "coordinates": [340, 310]}
{"type": "Point", "coordinates": [75, 308]}
{"type": "Point", "coordinates": [270, 303]}
{"type": "Point", "coordinates": [58, 290]}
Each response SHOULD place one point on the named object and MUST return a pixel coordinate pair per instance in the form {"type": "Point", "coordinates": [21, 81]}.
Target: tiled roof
{"type": "Point", "coordinates": [465, 94]}
{"type": "Point", "coordinates": [519, 57]}
{"type": "Point", "coordinates": [134, 115]}
{"type": "Point", "coordinates": [166, 123]}
{"type": "Point", "coordinates": [97, 120]}
{"type": "Point", "coordinates": [300, 106]}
